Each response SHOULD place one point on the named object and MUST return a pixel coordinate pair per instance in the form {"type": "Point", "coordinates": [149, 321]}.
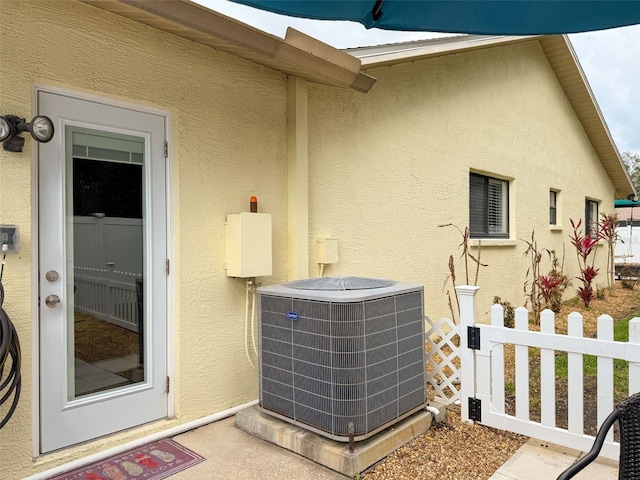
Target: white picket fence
{"type": "Point", "coordinates": [483, 374]}
{"type": "Point", "coordinates": [107, 294]}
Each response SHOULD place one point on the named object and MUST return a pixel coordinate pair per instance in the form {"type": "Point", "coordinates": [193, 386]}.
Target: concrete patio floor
{"type": "Point", "coordinates": [234, 454]}
{"type": "Point", "coordinates": [537, 460]}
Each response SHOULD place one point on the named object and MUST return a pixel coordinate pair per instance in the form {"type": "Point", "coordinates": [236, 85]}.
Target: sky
{"type": "Point", "coordinates": [610, 59]}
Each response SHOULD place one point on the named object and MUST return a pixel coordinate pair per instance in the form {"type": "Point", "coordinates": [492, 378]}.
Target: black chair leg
{"type": "Point", "coordinates": [595, 450]}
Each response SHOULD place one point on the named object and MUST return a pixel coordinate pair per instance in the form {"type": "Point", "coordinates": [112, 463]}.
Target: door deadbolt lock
{"type": "Point", "coordinates": [52, 301]}
{"type": "Point", "coordinates": [52, 276]}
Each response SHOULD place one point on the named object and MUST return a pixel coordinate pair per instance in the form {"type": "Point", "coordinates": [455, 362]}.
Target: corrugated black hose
{"type": "Point", "coordinates": [9, 358]}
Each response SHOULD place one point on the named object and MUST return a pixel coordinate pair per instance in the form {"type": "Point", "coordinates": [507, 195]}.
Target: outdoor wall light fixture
{"type": "Point", "coordinates": [40, 128]}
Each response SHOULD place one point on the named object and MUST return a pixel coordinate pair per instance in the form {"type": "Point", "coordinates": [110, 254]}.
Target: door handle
{"type": "Point", "coordinates": [52, 301]}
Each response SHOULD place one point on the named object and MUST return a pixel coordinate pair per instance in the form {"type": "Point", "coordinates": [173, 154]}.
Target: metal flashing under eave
{"type": "Point", "coordinates": [298, 54]}
{"type": "Point", "coordinates": [394, 53]}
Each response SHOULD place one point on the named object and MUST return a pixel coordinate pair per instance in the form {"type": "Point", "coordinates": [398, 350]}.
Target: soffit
{"type": "Point", "coordinates": [564, 62]}
{"type": "Point", "coordinates": [394, 53]}
{"type": "Point", "coordinates": [297, 54]}
{"type": "Point", "coordinates": [561, 58]}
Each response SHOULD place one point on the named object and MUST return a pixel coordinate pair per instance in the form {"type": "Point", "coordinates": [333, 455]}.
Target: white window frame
{"type": "Point", "coordinates": [553, 207]}
{"type": "Point", "coordinates": [591, 212]}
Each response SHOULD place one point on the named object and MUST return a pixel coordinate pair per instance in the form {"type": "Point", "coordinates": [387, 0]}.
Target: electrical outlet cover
{"type": "Point", "coordinates": [10, 236]}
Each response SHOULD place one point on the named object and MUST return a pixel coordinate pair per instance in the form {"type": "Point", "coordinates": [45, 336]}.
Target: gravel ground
{"type": "Point", "coordinates": [451, 450]}
{"type": "Point", "coordinates": [454, 450]}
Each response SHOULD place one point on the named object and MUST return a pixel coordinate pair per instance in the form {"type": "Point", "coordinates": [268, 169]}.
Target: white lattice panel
{"type": "Point", "coordinates": [443, 359]}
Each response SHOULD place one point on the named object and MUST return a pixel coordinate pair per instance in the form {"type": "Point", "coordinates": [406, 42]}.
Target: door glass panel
{"type": "Point", "coordinates": [105, 244]}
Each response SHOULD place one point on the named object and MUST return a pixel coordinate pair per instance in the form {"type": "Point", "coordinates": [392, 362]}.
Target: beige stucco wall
{"type": "Point", "coordinates": [398, 160]}
{"type": "Point", "coordinates": [227, 142]}
{"type": "Point", "coordinates": [385, 169]}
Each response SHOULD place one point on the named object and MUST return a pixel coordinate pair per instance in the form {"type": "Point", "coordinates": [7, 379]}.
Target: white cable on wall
{"type": "Point", "coordinates": [253, 320]}
{"type": "Point", "coordinates": [246, 324]}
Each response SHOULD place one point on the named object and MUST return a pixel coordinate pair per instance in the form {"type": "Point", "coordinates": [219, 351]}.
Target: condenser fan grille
{"type": "Point", "coordinates": [340, 283]}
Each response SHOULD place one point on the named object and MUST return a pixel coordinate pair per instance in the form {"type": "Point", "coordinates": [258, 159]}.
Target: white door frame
{"type": "Point", "coordinates": [35, 258]}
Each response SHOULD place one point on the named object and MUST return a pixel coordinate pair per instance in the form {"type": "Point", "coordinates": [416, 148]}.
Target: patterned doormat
{"type": "Point", "coordinates": [149, 462]}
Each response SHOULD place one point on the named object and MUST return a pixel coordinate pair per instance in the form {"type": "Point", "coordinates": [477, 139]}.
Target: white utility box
{"type": "Point", "coordinates": [248, 245]}
{"type": "Point", "coordinates": [327, 250]}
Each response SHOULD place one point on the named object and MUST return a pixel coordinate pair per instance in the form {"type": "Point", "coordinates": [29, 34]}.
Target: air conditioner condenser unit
{"type": "Point", "coordinates": [342, 355]}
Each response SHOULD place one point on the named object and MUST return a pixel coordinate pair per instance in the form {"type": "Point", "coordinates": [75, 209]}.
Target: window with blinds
{"type": "Point", "coordinates": [94, 145]}
{"type": "Point", "coordinates": [488, 207]}
{"type": "Point", "coordinates": [107, 173]}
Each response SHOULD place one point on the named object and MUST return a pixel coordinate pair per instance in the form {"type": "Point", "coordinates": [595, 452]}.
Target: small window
{"type": "Point", "coordinates": [488, 207]}
{"type": "Point", "coordinates": [590, 218]}
{"type": "Point", "coordinates": [553, 207]}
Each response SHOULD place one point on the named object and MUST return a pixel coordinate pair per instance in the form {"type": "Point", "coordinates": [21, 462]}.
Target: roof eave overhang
{"type": "Point", "coordinates": [392, 54]}
{"type": "Point", "coordinates": [564, 62]}
{"type": "Point", "coordinates": [297, 54]}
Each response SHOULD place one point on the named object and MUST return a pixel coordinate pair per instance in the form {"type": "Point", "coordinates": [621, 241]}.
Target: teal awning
{"type": "Point", "coordinates": [626, 203]}
{"type": "Point", "coordinates": [485, 17]}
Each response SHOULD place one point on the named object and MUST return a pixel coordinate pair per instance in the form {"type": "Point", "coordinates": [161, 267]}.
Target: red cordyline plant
{"type": "Point", "coordinates": [543, 291]}
{"type": "Point", "coordinates": [548, 284]}
{"type": "Point", "coordinates": [607, 230]}
{"type": "Point", "coordinates": [532, 288]}
{"type": "Point", "coordinates": [584, 246]}
{"type": "Point", "coordinates": [560, 283]}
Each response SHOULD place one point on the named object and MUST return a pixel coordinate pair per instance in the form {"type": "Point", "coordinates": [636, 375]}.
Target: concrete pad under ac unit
{"type": "Point", "coordinates": [330, 453]}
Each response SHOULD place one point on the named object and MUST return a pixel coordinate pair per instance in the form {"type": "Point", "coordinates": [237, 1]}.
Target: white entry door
{"type": "Point", "coordinates": [103, 270]}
